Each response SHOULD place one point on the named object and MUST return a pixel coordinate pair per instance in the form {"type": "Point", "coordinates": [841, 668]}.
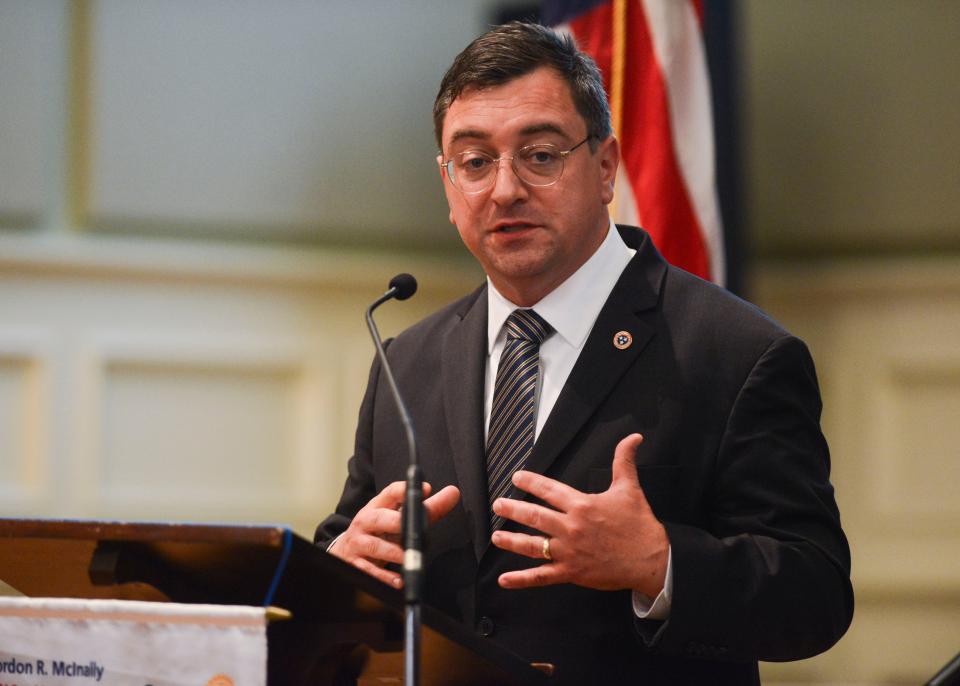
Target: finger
{"type": "Point", "coordinates": [543, 575]}
{"type": "Point", "coordinates": [625, 461]}
{"type": "Point", "coordinates": [384, 575]}
{"type": "Point", "coordinates": [558, 494]}
{"type": "Point", "coordinates": [393, 494]}
{"type": "Point", "coordinates": [390, 497]}
{"type": "Point", "coordinates": [377, 549]}
{"type": "Point", "coordinates": [521, 544]}
{"type": "Point", "coordinates": [440, 504]}
{"type": "Point", "coordinates": [535, 516]}
{"type": "Point", "coordinates": [379, 520]}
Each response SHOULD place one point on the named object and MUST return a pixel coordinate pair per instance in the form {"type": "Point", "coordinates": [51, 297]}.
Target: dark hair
{"type": "Point", "coordinates": [516, 49]}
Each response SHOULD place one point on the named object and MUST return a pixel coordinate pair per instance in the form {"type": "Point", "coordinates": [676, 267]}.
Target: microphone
{"type": "Point", "coordinates": [401, 287]}
{"type": "Point", "coordinates": [404, 285]}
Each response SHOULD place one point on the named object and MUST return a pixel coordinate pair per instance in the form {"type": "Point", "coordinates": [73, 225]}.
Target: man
{"type": "Point", "coordinates": [628, 475]}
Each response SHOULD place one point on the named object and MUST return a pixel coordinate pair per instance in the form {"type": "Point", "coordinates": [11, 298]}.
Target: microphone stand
{"type": "Point", "coordinates": [402, 287]}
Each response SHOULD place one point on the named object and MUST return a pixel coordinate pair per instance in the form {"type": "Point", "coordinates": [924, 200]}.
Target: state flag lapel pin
{"type": "Point", "coordinates": [622, 340]}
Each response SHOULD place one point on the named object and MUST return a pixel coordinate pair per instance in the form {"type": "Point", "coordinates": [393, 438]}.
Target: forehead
{"type": "Point", "coordinates": [513, 109]}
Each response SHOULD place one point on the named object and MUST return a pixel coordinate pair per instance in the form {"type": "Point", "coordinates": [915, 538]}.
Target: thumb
{"type": "Point", "coordinates": [624, 461]}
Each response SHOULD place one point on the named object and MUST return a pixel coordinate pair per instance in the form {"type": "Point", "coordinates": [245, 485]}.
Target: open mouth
{"type": "Point", "coordinates": [512, 228]}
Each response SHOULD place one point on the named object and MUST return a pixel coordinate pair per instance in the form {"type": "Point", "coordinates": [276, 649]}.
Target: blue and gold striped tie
{"type": "Point", "coordinates": [512, 418]}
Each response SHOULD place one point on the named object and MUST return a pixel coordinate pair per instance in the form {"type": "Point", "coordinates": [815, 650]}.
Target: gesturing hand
{"type": "Point", "coordinates": [607, 541]}
{"type": "Point", "coordinates": [373, 537]}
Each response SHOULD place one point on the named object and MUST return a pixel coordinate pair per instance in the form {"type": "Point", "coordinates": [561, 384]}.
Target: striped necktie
{"type": "Point", "coordinates": [512, 418]}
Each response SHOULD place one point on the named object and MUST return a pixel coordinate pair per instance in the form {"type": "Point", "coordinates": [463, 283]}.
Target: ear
{"type": "Point", "coordinates": [608, 157]}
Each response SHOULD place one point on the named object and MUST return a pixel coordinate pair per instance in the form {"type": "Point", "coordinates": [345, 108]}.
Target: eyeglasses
{"type": "Point", "coordinates": [474, 171]}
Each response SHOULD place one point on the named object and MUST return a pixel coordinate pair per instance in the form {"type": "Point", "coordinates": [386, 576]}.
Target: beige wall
{"type": "Point", "coordinates": [851, 115]}
{"type": "Point", "coordinates": [197, 201]}
{"type": "Point", "coordinates": [850, 120]}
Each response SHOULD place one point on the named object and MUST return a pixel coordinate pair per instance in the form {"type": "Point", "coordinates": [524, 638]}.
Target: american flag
{"type": "Point", "coordinates": [653, 59]}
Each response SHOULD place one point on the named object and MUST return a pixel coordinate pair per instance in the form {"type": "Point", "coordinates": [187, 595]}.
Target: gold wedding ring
{"type": "Point", "coordinates": [545, 549]}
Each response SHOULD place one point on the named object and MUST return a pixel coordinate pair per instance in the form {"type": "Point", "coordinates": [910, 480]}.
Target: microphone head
{"type": "Point", "coordinates": [405, 285]}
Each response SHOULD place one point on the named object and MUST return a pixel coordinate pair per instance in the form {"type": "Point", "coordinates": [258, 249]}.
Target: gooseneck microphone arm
{"type": "Point", "coordinates": [402, 286]}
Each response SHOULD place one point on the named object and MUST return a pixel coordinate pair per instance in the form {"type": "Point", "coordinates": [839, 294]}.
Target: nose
{"type": "Point", "coordinates": [507, 186]}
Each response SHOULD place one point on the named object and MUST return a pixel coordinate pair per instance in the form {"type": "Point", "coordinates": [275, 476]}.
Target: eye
{"type": "Point", "coordinates": [540, 155]}
{"type": "Point", "coordinates": [473, 161]}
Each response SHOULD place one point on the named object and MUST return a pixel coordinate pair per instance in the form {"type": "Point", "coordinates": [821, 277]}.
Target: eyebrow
{"type": "Point", "coordinates": [545, 127]}
{"type": "Point", "coordinates": [469, 133]}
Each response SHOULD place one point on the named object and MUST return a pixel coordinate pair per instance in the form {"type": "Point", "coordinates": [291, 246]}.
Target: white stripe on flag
{"type": "Point", "coordinates": [625, 202]}
{"type": "Point", "coordinates": [681, 56]}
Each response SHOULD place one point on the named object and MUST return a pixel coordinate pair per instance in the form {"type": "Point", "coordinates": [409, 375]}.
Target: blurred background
{"type": "Point", "coordinates": [198, 199]}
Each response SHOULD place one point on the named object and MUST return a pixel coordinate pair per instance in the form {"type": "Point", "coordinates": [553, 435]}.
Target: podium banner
{"type": "Point", "coordinates": [59, 641]}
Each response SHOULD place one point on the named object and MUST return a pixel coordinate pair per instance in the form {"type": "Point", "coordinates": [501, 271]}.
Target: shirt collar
{"type": "Point", "coordinates": [573, 306]}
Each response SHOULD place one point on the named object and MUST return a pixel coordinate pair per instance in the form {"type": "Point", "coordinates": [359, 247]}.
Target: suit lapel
{"type": "Point", "coordinates": [463, 364]}
{"type": "Point", "coordinates": [601, 364]}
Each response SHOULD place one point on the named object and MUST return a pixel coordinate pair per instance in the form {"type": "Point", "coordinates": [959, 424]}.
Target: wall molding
{"type": "Point", "coordinates": [294, 362]}
{"type": "Point", "coordinates": [207, 262]}
{"type": "Point", "coordinates": [29, 352]}
{"type": "Point", "coordinates": [853, 277]}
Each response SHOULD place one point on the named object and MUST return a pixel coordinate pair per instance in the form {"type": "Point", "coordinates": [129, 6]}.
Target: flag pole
{"type": "Point", "coordinates": [617, 69]}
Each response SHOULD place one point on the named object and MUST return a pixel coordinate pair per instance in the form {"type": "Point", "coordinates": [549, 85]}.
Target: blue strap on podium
{"type": "Point", "coordinates": [281, 567]}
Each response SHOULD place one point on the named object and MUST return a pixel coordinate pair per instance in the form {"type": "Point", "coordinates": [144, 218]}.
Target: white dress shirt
{"type": "Point", "coordinates": [571, 309]}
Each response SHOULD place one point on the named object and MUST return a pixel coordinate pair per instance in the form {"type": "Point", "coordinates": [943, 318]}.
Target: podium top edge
{"type": "Point", "coordinates": [186, 532]}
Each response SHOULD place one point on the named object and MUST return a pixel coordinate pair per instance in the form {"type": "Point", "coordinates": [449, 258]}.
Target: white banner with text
{"type": "Point", "coordinates": [58, 641]}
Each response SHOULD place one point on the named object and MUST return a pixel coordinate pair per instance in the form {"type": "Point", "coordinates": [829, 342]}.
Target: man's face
{"type": "Point", "coordinates": [529, 239]}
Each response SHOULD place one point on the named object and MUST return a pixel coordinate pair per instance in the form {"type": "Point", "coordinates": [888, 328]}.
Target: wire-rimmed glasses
{"type": "Point", "coordinates": [538, 165]}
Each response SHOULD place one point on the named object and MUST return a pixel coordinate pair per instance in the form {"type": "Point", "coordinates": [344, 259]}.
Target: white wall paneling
{"type": "Point", "coordinates": [884, 335]}
{"type": "Point", "coordinates": [174, 391]}
{"type": "Point", "coordinates": [204, 425]}
{"type": "Point", "coordinates": [25, 413]}
{"type": "Point", "coordinates": [918, 434]}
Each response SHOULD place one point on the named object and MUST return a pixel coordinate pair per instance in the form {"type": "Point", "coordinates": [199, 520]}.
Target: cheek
{"type": "Point", "coordinates": [454, 200]}
{"type": "Point", "coordinates": [463, 209]}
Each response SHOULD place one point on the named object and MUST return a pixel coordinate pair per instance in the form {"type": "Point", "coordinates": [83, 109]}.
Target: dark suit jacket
{"type": "Point", "coordinates": [733, 463]}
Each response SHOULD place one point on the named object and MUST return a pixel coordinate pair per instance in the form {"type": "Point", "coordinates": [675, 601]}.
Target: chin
{"type": "Point", "coordinates": [519, 269]}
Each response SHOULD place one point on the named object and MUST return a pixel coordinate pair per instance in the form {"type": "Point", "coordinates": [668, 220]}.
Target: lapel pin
{"type": "Point", "coordinates": [622, 340]}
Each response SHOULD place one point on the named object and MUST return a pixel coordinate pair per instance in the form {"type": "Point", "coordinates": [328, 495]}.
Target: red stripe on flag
{"type": "Point", "coordinates": [699, 9]}
{"type": "Point", "coordinates": [663, 204]}
{"type": "Point", "coordinates": [593, 31]}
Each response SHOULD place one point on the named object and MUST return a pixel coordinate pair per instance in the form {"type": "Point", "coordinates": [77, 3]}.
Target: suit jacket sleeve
{"type": "Point", "coordinates": [766, 573]}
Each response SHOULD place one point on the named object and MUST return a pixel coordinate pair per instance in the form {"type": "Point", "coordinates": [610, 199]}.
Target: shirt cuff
{"type": "Point", "coordinates": [659, 608]}
{"type": "Point", "coordinates": [330, 545]}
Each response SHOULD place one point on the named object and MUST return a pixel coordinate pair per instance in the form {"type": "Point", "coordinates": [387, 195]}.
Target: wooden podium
{"type": "Point", "coordinates": [344, 626]}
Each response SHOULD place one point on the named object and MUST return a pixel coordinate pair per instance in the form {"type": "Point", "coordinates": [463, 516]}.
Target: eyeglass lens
{"type": "Point", "coordinates": [536, 165]}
